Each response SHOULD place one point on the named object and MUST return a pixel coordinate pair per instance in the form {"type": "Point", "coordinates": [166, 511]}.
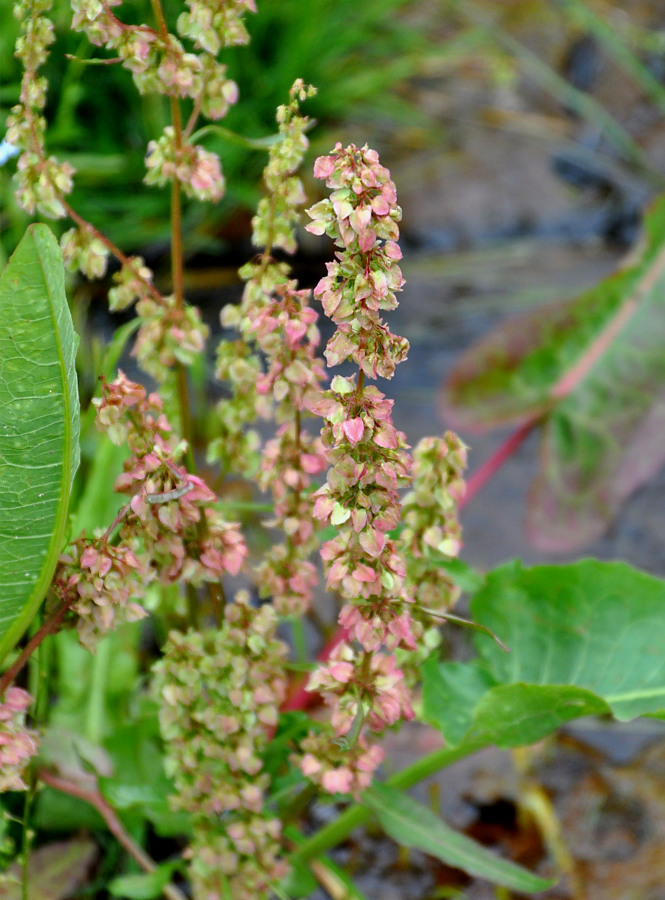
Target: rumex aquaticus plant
{"type": "Point", "coordinates": [221, 754]}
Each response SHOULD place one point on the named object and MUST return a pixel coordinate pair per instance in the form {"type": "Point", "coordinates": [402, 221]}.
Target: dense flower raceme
{"type": "Point", "coordinates": [102, 585]}
{"type": "Point", "coordinates": [18, 744]}
{"type": "Point", "coordinates": [43, 181]}
{"type": "Point", "coordinates": [361, 217]}
{"type": "Point", "coordinates": [172, 511]}
{"type": "Point", "coordinates": [368, 459]}
{"type": "Point", "coordinates": [267, 284]}
{"type": "Point", "coordinates": [280, 376]}
{"type": "Point", "coordinates": [220, 692]}
{"type": "Point", "coordinates": [432, 529]}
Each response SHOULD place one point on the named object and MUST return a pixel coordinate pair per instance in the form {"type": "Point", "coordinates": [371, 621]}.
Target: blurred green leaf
{"type": "Point", "coordinates": [461, 573]}
{"type": "Point", "coordinates": [300, 882]}
{"type": "Point", "coordinates": [584, 638]}
{"type": "Point", "coordinates": [144, 886]}
{"type": "Point", "coordinates": [61, 813]}
{"type": "Point", "coordinates": [450, 693]}
{"type": "Point", "coordinates": [39, 426]}
{"type": "Point", "coordinates": [139, 784]}
{"type": "Point", "coordinates": [593, 367]}
{"type": "Point", "coordinates": [94, 692]}
{"type": "Point", "coordinates": [413, 825]}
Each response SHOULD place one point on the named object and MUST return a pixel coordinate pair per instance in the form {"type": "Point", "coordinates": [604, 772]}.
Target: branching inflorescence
{"type": "Point", "coordinates": [220, 689]}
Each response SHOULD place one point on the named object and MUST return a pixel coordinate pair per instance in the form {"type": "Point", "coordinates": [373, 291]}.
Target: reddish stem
{"type": "Point", "coordinates": [300, 697]}
{"type": "Point", "coordinates": [113, 823]}
{"type": "Point", "coordinates": [489, 468]}
{"type": "Point", "coordinates": [50, 626]}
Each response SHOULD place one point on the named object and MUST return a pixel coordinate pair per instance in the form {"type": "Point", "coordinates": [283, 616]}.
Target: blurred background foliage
{"type": "Point", "coordinates": [370, 61]}
{"type": "Point", "coordinates": [356, 53]}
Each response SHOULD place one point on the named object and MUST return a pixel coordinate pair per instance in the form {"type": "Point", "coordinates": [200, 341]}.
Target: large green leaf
{"type": "Point", "coordinates": [413, 825]}
{"type": "Point", "coordinates": [593, 367]}
{"type": "Point", "coordinates": [39, 426]}
{"type": "Point", "coordinates": [585, 639]}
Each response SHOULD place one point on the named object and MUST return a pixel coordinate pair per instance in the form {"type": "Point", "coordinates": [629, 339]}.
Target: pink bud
{"type": "Point", "coordinates": [353, 429]}
{"type": "Point", "coordinates": [364, 573]}
{"type": "Point", "coordinates": [310, 765]}
{"type": "Point", "coordinates": [89, 557]}
{"type": "Point", "coordinates": [323, 166]}
{"type": "Point", "coordinates": [366, 240]}
{"type": "Point", "coordinates": [339, 781]}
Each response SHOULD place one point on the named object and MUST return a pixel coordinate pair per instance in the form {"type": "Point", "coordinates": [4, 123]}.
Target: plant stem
{"type": "Point", "coordinates": [337, 831]}
{"type": "Point", "coordinates": [299, 638]}
{"type": "Point", "coordinates": [300, 697]}
{"type": "Point", "coordinates": [27, 839]}
{"type": "Point", "coordinates": [94, 707]}
{"type": "Point", "coordinates": [50, 625]}
{"type": "Point", "coordinates": [497, 459]}
{"type": "Point", "coordinates": [113, 823]}
{"type": "Point", "coordinates": [176, 214]}
{"type": "Point", "coordinates": [110, 246]}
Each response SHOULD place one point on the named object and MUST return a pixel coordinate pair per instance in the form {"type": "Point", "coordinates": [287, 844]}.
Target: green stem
{"type": "Point", "coordinates": [94, 709]}
{"type": "Point", "coordinates": [356, 815]}
{"type": "Point", "coordinates": [26, 840]}
{"type": "Point", "coordinates": [299, 640]}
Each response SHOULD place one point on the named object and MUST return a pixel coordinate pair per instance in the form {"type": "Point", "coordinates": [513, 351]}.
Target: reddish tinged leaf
{"type": "Point", "coordinates": [55, 871]}
{"type": "Point", "coordinates": [353, 429]}
{"type": "Point", "coordinates": [593, 368]}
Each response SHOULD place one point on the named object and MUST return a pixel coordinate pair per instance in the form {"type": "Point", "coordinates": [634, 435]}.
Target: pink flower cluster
{"type": "Point", "coordinates": [368, 458]}
{"type": "Point", "coordinates": [17, 744]}
{"type": "Point", "coordinates": [107, 582]}
{"type": "Point", "coordinates": [286, 331]}
{"type": "Point", "coordinates": [361, 216]}
{"type": "Point", "coordinates": [173, 513]}
{"type": "Point", "coordinates": [339, 770]}
{"type": "Point", "coordinates": [220, 692]}
{"type": "Point", "coordinates": [196, 169]}
{"type": "Point", "coordinates": [371, 679]}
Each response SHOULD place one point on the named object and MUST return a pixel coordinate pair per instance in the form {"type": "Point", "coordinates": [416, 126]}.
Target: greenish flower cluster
{"type": "Point", "coordinates": [429, 512]}
{"type": "Point", "coordinates": [219, 696]}
{"type": "Point", "coordinates": [43, 181]}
